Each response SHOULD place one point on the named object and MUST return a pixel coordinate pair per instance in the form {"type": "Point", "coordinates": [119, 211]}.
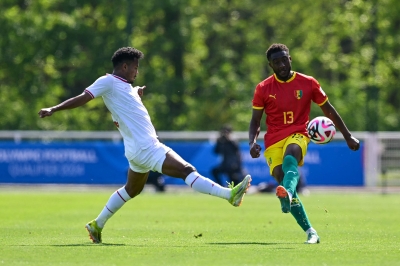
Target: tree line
{"type": "Point", "coordinates": [202, 61]}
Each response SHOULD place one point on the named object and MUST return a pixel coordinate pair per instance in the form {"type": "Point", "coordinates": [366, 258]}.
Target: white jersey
{"type": "Point", "coordinates": [127, 111]}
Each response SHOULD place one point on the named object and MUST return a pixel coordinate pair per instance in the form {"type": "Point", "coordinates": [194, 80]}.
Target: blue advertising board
{"type": "Point", "coordinates": [63, 163]}
{"type": "Point", "coordinates": [102, 162]}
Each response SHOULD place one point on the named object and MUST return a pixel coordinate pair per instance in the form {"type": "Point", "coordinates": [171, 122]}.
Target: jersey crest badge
{"type": "Point", "coordinates": [298, 94]}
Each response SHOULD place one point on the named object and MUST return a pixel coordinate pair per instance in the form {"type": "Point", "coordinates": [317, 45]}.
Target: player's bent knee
{"type": "Point", "coordinates": [188, 169]}
{"type": "Point", "coordinates": [133, 194]}
{"type": "Point", "coordinates": [132, 190]}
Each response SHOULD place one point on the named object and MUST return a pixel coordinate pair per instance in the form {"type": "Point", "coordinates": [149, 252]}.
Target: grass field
{"type": "Point", "coordinates": [47, 228]}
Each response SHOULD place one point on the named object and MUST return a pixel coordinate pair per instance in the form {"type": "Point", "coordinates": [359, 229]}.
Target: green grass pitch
{"type": "Point", "coordinates": [46, 227]}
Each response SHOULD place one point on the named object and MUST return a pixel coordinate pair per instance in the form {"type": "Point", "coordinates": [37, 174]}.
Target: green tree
{"type": "Point", "coordinates": [202, 61]}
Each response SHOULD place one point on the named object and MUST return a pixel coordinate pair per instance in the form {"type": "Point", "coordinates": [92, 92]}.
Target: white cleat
{"type": "Point", "coordinates": [312, 238]}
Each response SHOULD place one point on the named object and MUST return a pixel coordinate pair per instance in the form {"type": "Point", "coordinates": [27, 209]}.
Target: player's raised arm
{"type": "Point", "coordinates": [68, 104]}
{"type": "Point", "coordinates": [331, 113]}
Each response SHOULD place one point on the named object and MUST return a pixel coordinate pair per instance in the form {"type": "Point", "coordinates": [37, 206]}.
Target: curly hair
{"type": "Point", "coordinates": [126, 54]}
{"type": "Point", "coordinates": [276, 47]}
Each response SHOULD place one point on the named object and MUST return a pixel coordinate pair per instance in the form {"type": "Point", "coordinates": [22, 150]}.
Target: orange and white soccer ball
{"type": "Point", "coordinates": [321, 130]}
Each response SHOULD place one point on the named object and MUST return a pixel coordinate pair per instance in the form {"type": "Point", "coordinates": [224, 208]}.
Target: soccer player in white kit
{"type": "Point", "coordinates": [142, 147]}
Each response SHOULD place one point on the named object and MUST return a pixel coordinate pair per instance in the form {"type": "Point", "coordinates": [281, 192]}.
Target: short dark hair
{"type": "Point", "coordinates": [276, 47]}
{"type": "Point", "coordinates": [126, 54]}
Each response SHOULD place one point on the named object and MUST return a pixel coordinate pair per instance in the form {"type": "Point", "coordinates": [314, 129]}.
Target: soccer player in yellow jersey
{"type": "Point", "coordinates": [285, 98]}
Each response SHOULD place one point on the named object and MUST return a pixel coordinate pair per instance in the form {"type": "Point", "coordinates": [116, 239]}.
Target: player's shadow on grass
{"type": "Point", "coordinates": [85, 245]}
{"type": "Point", "coordinates": [70, 245]}
{"type": "Point", "coordinates": [249, 243]}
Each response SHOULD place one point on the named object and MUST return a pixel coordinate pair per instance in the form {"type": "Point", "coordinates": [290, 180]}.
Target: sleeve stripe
{"type": "Point", "coordinates": [258, 107]}
{"type": "Point", "coordinates": [90, 93]}
{"type": "Point", "coordinates": [323, 101]}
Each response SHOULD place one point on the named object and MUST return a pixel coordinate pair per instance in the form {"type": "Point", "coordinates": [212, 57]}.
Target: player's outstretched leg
{"type": "Point", "coordinates": [94, 231]}
{"type": "Point", "coordinates": [205, 185]}
{"type": "Point", "coordinates": [238, 192]}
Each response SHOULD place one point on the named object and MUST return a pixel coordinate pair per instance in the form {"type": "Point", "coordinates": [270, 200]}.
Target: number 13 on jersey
{"type": "Point", "coordinates": [288, 117]}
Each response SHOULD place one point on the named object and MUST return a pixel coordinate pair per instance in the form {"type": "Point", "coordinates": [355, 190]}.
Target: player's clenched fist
{"type": "Point", "coordinates": [45, 112]}
{"type": "Point", "coordinates": [353, 143]}
{"type": "Point", "coordinates": [255, 150]}
{"type": "Point", "coordinates": [140, 90]}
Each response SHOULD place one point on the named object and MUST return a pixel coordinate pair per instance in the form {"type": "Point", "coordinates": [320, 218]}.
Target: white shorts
{"type": "Point", "coordinates": [151, 158]}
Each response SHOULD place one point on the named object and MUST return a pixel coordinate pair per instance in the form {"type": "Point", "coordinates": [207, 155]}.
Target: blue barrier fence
{"type": "Point", "coordinates": [102, 162]}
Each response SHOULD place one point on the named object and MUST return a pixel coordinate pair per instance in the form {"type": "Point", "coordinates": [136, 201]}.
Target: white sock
{"type": "Point", "coordinates": [114, 203]}
{"type": "Point", "coordinates": [311, 230]}
{"type": "Point", "coordinates": [206, 186]}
